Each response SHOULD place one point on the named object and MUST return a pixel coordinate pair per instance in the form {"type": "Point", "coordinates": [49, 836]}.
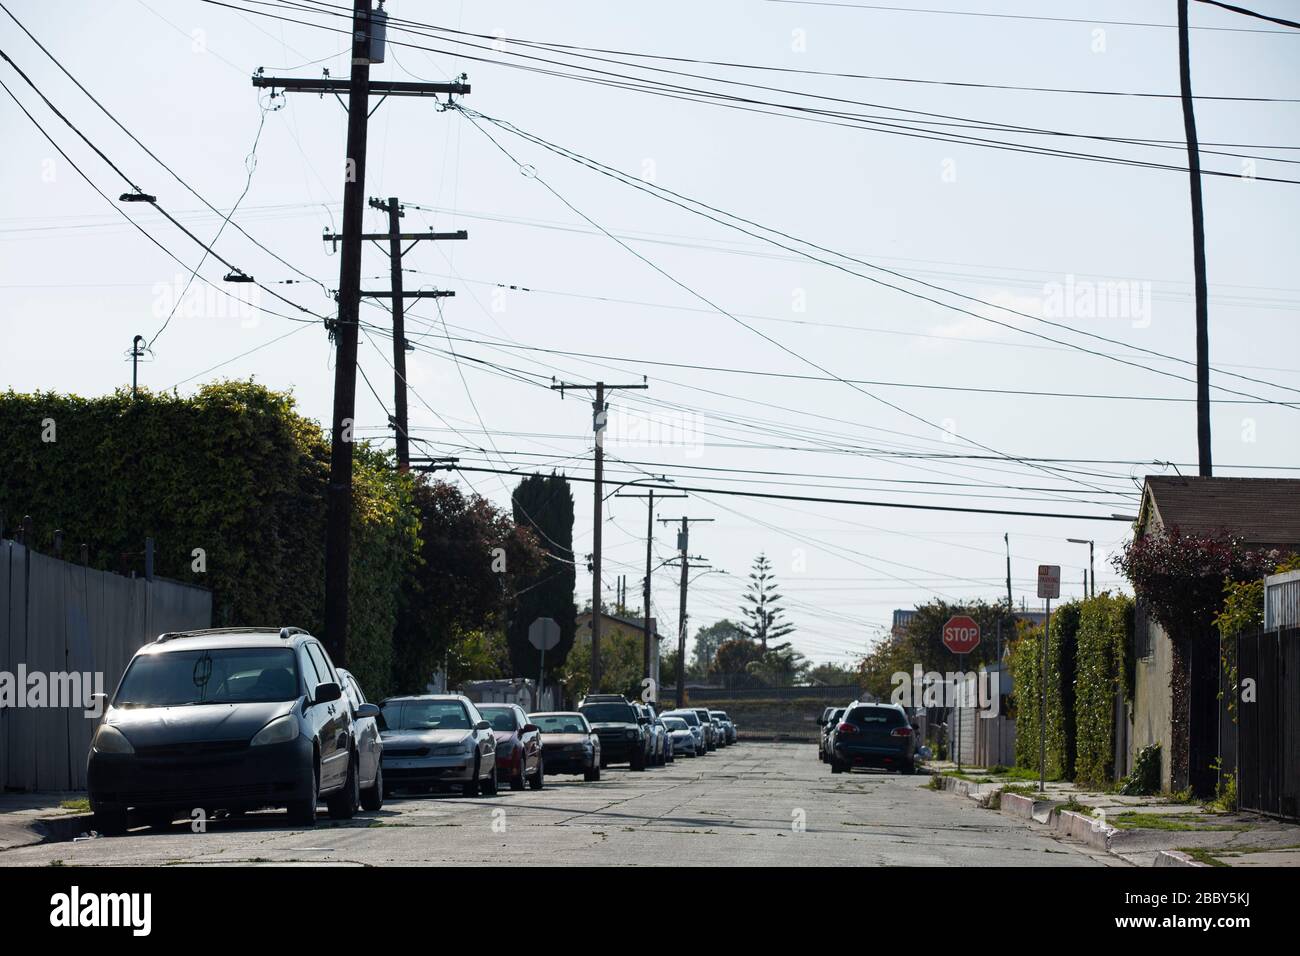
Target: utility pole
{"type": "Point", "coordinates": [366, 48]}
{"type": "Point", "coordinates": [599, 410]}
{"type": "Point", "coordinates": [649, 556]}
{"type": "Point", "coordinates": [1198, 249]}
{"type": "Point", "coordinates": [137, 352]}
{"type": "Point", "coordinates": [683, 544]}
{"type": "Point", "coordinates": [395, 238]}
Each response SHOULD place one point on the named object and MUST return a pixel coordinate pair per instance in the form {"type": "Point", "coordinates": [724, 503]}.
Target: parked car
{"type": "Point", "coordinates": [710, 728]}
{"type": "Point", "coordinates": [571, 745]}
{"type": "Point", "coordinates": [682, 739]}
{"type": "Point", "coordinates": [519, 746]}
{"type": "Point", "coordinates": [370, 746]}
{"type": "Point", "coordinates": [656, 740]}
{"type": "Point", "coordinates": [821, 727]}
{"type": "Point", "coordinates": [698, 732]}
{"type": "Point", "coordinates": [873, 735]}
{"type": "Point", "coordinates": [438, 741]}
{"type": "Point", "coordinates": [669, 754]}
{"type": "Point", "coordinates": [226, 718]}
{"type": "Point", "coordinates": [617, 723]}
{"type": "Point", "coordinates": [827, 726]}
{"type": "Point", "coordinates": [728, 725]}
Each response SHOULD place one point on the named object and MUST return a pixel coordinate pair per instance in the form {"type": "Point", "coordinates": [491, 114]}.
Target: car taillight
{"type": "Point", "coordinates": [901, 732]}
{"type": "Point", "coordinates": [846, 729]}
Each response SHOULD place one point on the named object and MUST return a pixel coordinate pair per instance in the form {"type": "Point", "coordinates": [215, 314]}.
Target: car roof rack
{"type": "Point", "coordinates": [285, 632]}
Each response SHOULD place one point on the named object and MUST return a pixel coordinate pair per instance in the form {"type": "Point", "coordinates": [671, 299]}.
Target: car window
{"type": "Point", "coordinates": [354, 694]}
{"type": "Point", "coordinates": [675, 723]}
{"type": "Point", "coordinates": [426, 715]}
{"type": "Point", "coordinates": [877, 717]}
{"type": "Point", "coordinates": [608, 713]}
{"type": "Point", "coordinates": [501, 718]}
{"type": "Point", "coordinates": [560, 723]}
{"type": "Point", "coordinates": [225, 675]}
{"type": "Point", "coordinates": [317, 655]}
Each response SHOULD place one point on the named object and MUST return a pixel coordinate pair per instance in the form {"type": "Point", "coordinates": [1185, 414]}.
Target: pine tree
{"type": "Point", "coordinates": [762, 608]}
{"type": "Point", "coordinates": [544, 505]}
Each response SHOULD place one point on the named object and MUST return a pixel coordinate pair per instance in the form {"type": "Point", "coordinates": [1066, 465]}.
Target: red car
{"type": "Point", "coordinates": [519, 745]}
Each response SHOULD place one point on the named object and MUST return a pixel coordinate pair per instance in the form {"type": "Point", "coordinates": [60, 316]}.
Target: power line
{"type": "Point", "coordinates": [1251, 13]}
{"type": "Point", "coordinates": [687, 203]}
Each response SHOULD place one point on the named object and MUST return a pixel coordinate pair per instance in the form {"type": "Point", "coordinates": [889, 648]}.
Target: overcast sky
{"type": "Point", "coordinates": [1033, 233]}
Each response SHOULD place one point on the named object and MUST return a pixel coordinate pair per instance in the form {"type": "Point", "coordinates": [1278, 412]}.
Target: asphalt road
{"type": "Point", "coordinates": [750, 804]}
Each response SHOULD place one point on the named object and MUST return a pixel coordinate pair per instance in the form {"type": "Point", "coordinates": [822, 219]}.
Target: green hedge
{"type": "Point", "coordinates": [1026, 672]}
{"type": "Point", "coordinates": [1105, 631]}
{"type": "Point", "coordinates": [234, 470]}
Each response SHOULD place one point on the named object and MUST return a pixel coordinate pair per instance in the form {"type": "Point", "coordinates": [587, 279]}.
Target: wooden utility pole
{"type": "Point", "coordinates": [339, 493]}
{"type": "Point", "coordinates": [645, 591]}
{"type": "Point", "coordinates": [1198, 249]}
{"type": "Point", "coordinates": [683, 546]}
{"type": "Point", "coordinates": [395, 238]}
{"type": "Point", "coordinates": [599, 409]}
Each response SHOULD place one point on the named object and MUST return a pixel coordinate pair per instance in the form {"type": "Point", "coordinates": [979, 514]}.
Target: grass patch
{"type": "Point", "coordinates": [1134, 820]}
{"type": "Point", "coordinates": [1074, 806]}
{"type": "Point", "coordinates": [936, 782]}
{"type": "Point", "coordinates": [77, 803]}
{"type": "Point", "coordinates": [1201, 855]}
{"type": "Point", "coordinates": [1017, 773]}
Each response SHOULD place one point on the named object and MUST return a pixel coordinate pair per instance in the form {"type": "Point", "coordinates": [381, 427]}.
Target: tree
{"type": "Point", "coordinates": [544, 504]}
{"type": "Point", "coordinates": [778, 666]}
{"type": "Point", "coordinates": [709, 639]}
{"type": "Point", "coordinates": [620, 666]}
{"type": "Point", "coordinates": [471, 556]}
{"type": "Point", "coordinates": [762, 608]}
{"type": "Point", "coordinates": [731, 662]}
{"type": "Point", "coordinates": [832, 675]}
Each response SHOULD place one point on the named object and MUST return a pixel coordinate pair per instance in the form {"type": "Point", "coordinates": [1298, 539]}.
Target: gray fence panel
{"type": "Point", "coordinates": [63, 618]}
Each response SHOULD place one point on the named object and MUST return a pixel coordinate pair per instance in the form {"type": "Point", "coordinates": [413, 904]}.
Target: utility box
{"type": "Point", "coordinates": [378, 34]}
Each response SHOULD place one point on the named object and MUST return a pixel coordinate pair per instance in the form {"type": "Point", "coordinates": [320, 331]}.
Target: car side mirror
{"type": "Point", "coordinates": [532, 729]}
{"type": "Point", "coordinates": [326, 693]}
{"type": "Point", "coordinates": [368, 710]}
{"type": "Point", "coordinates": [482, 725]}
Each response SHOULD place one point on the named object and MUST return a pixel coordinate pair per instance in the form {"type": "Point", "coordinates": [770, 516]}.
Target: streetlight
{"type": "Point", "coordinates": [1091, 582]}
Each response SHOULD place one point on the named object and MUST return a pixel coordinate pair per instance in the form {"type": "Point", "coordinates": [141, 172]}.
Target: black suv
{"type": "Point", "coordinates": [226, 718]}
{"type": "Point", "coordinates": [622, 731]}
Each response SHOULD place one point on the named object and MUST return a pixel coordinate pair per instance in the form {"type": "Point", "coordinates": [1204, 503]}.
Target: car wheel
{"type": "Point", "coordinates": [343, 805]}
{"type": "Point", "coordinates": [836, 766]}
{"type": "Point", "coordinates": [488, 787]}
{"type": "Point", "coordinates": [909, 767]}
{"type": "Point", "coordinates": [592, 773]}
{"type": "Point", "coordinates": [110, 821]}
{"type": "Point", "coordinates": [303, 812]}
{"type": "Point", "coordinates": [539, 778]}
{"type": "Point", "coordinates": [372, 798]}
{"type": "Point", "coordinates": [470, 789]}
{"type": "Point", "coordinates": [517, 783]}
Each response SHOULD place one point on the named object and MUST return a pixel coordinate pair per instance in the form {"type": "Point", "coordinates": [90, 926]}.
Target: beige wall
{"type": "Point", "coordinates": [1152, 706]}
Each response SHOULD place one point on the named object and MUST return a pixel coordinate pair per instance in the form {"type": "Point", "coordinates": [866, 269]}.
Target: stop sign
{"type": "Point", "coordinates": [961, 634]}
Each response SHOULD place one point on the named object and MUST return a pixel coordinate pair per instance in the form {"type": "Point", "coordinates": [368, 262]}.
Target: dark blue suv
{"type": "Point", "coordinates": [873, 735]}
{"type": "Point", "coordinates": [227, 718]}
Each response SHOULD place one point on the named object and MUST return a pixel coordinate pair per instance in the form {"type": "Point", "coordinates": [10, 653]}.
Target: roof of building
{"type": "Point", "coordinates": [1264, 512]}
{"type": "Point", "coordinates": [635, 623]}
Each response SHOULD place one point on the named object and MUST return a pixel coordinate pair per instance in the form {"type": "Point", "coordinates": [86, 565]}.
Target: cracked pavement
{"type": "Point", "coordinates": [737, 807]}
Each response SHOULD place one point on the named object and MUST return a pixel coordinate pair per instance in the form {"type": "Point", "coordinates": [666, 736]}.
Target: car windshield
{"type": "Point", "coordinates": [221, 675]}
{"type": "Point", "coordinates": [426, 715]}
{"type": "Point", "coordinates": [608, 713]}
{"type": "Point", "coordinates": [675, 723]}
{"type": "Point", "coordinates": [692, 720]}
{"type": "Point", "coordinates": [501, 718]}
{"type": "Point", "coordinates": [560, 723]}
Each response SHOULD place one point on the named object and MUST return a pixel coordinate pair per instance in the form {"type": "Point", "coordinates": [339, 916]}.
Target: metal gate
{"type": "Point", "coordinates": [1268, 727]}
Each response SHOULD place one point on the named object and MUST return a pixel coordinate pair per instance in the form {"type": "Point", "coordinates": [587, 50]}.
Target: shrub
{"type": "Point", "coordinates": [1105, 623]}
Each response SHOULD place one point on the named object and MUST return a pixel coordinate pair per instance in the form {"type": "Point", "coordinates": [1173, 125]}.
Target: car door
{"type": "Point", "coordinates": [336, 725]}
{"type": "Point", "coordinates": [484, 740]}
{"type": "Point", "coordinates": [530, 740]}
{"type": "Point", "coordinates": [367, 731]}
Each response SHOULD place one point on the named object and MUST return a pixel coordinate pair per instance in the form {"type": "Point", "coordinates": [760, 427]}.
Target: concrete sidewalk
{"type": "Point", "coordinates": [1144, 831]}
{"type": "Point", "coordinates": [30, 818]}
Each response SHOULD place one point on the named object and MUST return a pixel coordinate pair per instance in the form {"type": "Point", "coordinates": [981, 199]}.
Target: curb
{"type": "Point", "coordinates": [1086, 829]}
{"type": "Point", "coordinates": [1175, 858]}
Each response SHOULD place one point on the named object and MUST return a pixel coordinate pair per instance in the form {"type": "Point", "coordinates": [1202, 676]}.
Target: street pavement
{"type": "Point", "coordinates": [768, 804]}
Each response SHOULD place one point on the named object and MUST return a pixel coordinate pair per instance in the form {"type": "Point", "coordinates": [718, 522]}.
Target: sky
{"type": "Point", "coordinates": [572, 273]}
